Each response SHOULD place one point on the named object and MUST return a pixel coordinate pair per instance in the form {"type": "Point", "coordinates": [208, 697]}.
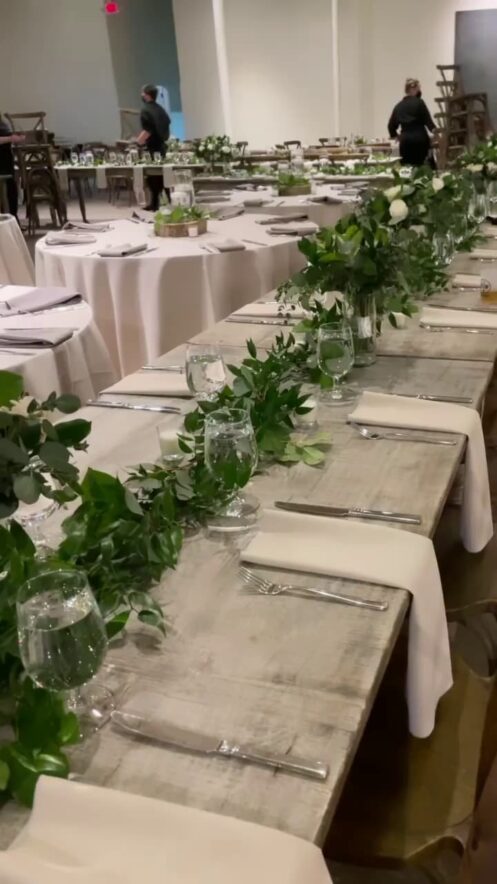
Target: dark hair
{"type": "Point", "coordinates": [151, 90]}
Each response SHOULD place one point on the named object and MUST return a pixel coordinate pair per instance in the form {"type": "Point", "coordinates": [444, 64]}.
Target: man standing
{"type": "Point", "coordinates": [7, 139]}
{"type": "Point", "coordinates": [155, 123]}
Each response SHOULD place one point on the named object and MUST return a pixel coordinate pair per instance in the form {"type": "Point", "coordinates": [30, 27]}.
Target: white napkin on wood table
{"type": "Point", "coordinates": [381, 409]}
{"type": "Point", "coordinates": [458, 318]}
{"type": "Point", "coordinates": [152, 383]}
{"type": "Point", "coordinates": [81, 834]}
{"type": "Point", "coordinates": [26, 299]}
{"type": "Point", "coordinates": [372, 554]}
{"type": "Point", "coordinates": [467, 280]}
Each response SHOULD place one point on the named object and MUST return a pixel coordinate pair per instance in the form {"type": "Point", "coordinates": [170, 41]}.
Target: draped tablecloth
{"type": "Point", "coordinates": [146, 304]}
{"type": "Point", "coordinates": [80, 365]}
{"type": "Point", "coordinates": [16, 265]}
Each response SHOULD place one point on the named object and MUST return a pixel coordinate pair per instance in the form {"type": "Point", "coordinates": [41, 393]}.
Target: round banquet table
{"type": "Point", "coordinates": [145, 305]}
{"type": "Point", "coordinates": [16, 265]}
{"type": "Point", "coordinates": [322, 214]}
{"type": "Point", "coordinates": [80, 365]}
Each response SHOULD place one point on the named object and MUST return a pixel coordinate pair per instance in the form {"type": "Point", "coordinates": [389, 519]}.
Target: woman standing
{"type": "Point", "coordinates": [413, 119]}
{"type": "Point", "coordinates": [7, 139]}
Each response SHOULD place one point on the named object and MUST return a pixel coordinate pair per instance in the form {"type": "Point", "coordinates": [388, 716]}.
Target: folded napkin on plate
{"type": "Point", "coordinates": [283, 219]}
{"type": "Point", "coordinates": [226, 214]}
{"type": "Point", "coordinates": [380, 409]}
{"type": "Point", "coordinates": [26, 299]}
{"type": "Point", "coordinates": [34, 337]}
{"type": "Point", "coordinates": [467, 280]}
{"type": "Point", "coordinates": [64, 239]}
{"type": "Point", "coordinates": [256, 201]}
{"type": "Point", "coordinates": [226, 245]}
{"type": "Point", "coordinates": [151, 383]}
{"type": "Point", "coordinates": [458, 318]}
{"type": "Point", "coordinates": [372, 554]}
{"type": "Point", "coordinates": [90, 835]}
{"type": "Point", "coordinates": [271, 309]}
{"type": "Point", "coordinates": [120, 250]}
{"type": "Point", "coordinates": [84, 225]}
{"type": "Point", "coordinates": [489, 254]}
{"type": "Point", "coordinates": [299, 229]}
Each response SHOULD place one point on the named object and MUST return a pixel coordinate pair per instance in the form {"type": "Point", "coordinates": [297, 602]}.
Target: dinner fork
{"type": "Point", "coordinates": [266, 587]}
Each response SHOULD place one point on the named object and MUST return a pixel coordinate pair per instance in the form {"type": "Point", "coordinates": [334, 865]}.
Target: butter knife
{"type": "Point", "coordinates": [160, 409]}
{"type": "Point", "coordinates": [253, 321]}
{"type": "Point", "coordinates": [191, 741]}
{"type": "Point", "coordinates": [472, 330]}
{"type": "Point", "coordinates": [455, 400]}
{"type": "Point", "coordinates": [343, 512]}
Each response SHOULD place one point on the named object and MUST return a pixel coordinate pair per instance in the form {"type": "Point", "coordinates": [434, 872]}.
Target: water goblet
{"type": "Point", "coordinates": [205, 371]}
{"type": "Point", "coordinates": [63, 642]}
{"type": "Point", "coordinates": [335, 352]}
{"type": "Point", "coordinates": [230, 451]}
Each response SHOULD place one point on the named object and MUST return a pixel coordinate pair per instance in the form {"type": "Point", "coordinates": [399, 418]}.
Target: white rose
{"type": "Point", "coordinates": [492, 168]}
{"type": "Point", "coordinates": [420, 229]}
{"type": "Point", "coordinates": [398, 211]}
{"type": "Point", "coordinates": [392, 193]}
{"type": "Point", "coordinates": [226, 149]}
{"type": "Point", "coordinates": [475, 167]}
{"type": "Point", "coordinates": [437, 184]}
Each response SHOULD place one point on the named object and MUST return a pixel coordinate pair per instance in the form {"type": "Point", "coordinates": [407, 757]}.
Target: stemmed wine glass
{"type": "Point", "coordinates": [335, 352]}
{"type": "Point", "coordinates": [478, 207]}
{"type": "Point", "coordinates": [63, 642]}
{"type": "Point", "coordinates": [205, 371]}
{"type": "Point", "coordinates": [231, 456]}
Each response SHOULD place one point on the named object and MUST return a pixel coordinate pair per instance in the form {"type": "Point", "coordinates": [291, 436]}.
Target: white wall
{"type": "Point", "coordinates": [384, 41]}
{"type": "Point", "coordinates": [54, 56]}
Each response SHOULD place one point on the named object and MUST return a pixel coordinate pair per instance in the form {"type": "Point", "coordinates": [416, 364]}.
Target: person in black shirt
{"type": "Point", "coordinates": [7, 139]}
{"type": "Point", "coordinates": [413, 118]}
{"type": "Point", "coordinates": [155, 123]}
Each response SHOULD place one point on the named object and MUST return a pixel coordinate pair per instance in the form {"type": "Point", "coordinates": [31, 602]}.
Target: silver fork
{"type": "Point", "coordinates": [266, 587]}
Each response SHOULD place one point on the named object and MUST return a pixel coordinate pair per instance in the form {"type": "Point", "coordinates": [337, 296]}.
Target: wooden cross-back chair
{"type": "Point", "coordinates": [30, 123]}
{"type": "Point", "coordinates": [40, 184]}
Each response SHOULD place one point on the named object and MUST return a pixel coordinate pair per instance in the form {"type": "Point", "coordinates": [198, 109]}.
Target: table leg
{"type": "Point", "coordinates": [81, 197]}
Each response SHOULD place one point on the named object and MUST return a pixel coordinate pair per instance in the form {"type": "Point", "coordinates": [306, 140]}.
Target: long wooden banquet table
{"type": "Point", "coordinates": [284, 673]}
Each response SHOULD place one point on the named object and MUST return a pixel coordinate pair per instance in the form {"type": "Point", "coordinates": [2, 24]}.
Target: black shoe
{"type": "Point", "coordinates": [151, 208]}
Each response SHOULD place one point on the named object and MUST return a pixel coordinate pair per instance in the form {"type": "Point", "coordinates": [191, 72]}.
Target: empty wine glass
{"type": "Point", "coordinates": [74, 158]}
{"type": "Point", "coordinates": [231, 456]}
{"type": "Point", "coordinates": [62, 642]}
{"type": "Point", "coordinates": [335, 353]}
{"type": "Point", "coordinates": [112, 157]}
{"type": "Point", "coordinates": [205, 371]}
{"type": "Point", "coordinates": [32, 517]}
{"type": "Point", "coordinates": [157, 157]}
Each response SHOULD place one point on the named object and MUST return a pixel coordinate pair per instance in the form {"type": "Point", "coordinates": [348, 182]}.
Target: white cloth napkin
{"type": "Point", "coordinates": [380, 409]}
{"type": "Point", "coordinates": [458, 318]}
{"type": "Point", "coordinates": [138, 185]}
{"type": "Point", "coordinates": [300, 229]}
{"type": "Point", "coordinates": [271, 309]}
{"type": "Point", "coordinates": [168, 178]}
{"type": "Point", "coordinates": [65, 239]}
{"type": "Point", "coordinates": [227, 214]}
{"type": "Point", "coordinates": [256, 201]}
{"type": "Point", "coordinates": [120, 250]}
{"type": "Point", "coordinates": [152, 383]}
{"type": "Point", "coordinates": [96, 227]}
{"type": "Point", "coordinates": [490, 254]}
{"type": "Point", "coordinates": [26, 299]}
{"type": "Point", "coordinates": [34, 337]}
{"type": "Point", "coordinates": [81, 834]}
{"type": "Point", "coordinates": [467, 280]}
{"type": "Point", "coordinates": [226, 245]}
{"type": "Point", "coordinates": [372, 554]}
{"type": "Point", "coordinates": [101, 177]}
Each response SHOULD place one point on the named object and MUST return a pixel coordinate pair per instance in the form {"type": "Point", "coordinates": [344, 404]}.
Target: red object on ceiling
{"type": "Point", "coordinates": [111, 8]}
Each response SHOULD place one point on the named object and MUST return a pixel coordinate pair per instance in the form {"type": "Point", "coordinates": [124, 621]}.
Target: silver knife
{"type": "Point", "coordinates": [344, 512]}
{"type": "Point", "coordinates": [253, 321]}
{"type": "Point", "coordinates": [106, 403]}
{"type": "Point", "coordinates": [476, 309]}
{"type": "Point", "coordinates": [191, 741]}
{"type": "Point", "coordinates": [458, 400]}
{"type": "Point", "coordinates": [176, 368]}
{"type": "Point", "coordinates": [472, 330]}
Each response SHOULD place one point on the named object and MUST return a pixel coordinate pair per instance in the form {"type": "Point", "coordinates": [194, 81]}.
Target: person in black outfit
{"type": "Point", "coordinates": [7, 139]}
{"type": "Point", "coordinates": [156, 124]}
{"type": "Point", "coordinates": [413, 118]}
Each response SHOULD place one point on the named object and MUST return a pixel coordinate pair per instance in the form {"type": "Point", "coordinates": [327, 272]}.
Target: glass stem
{"type": "Point", "coordinates": [234, 507]}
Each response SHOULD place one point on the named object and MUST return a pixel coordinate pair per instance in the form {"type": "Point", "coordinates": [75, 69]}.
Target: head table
{"type": "Point", "coordinates": [147, 303]}
{"type": "Point", "coordinates": [286, 672]}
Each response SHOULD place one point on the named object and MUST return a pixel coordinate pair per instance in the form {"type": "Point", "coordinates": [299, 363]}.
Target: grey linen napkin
{"type": "Point", "coordinates": [283, 219]}
{"type": "Point", "coordinates": [85, 225]}
{"type": "Point", "coordinates": [122, 249]}
{"type": "Point", "coordinates": [229, 213]}
{"type": "Point", "coordinates": [226, 245]}
{"type": "Point", "coordinates": [34, 337]}
{"type": "Point", "coordinates": [36, 299]}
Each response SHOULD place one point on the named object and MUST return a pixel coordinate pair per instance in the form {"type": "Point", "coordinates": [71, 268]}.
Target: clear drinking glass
{"type": "Point", "coordinates": [335, 353]}
{"type": "Point", "coordinates": [74, 158]}
{"type": "Point", "coordinates": [63, 642]}
{"type": "Point", "coordinates": [89, 158]}
{"type": "Point", "coordinates": [205, 370]}
{"type": "Point", "coordinates": [231, 456]}
{"type": "Point", "coordinates": [492, 199]}
{"type": "Point", "coordinates": [478, 207]}
{"type": "Point", "coordinates": [32, 517]}
{"type": "Point", "coordinates": [157, 157]}
{"type": "Point", "coordinates": [112, 157]}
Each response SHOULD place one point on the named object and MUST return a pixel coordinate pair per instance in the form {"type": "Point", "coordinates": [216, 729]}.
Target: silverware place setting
{"type": "Point", "coordinates": [158, 409]}
{"type": "Point", "coordinates": [266, 587]}
{"type": "Point", "coordinates": [347, 512]}
{"type": "Point", "coordinates": [179, 369]}
{"type": "Point", "coordinates": [398, 436]}
{"type": "Point", "coordinates": [451, 328]}
{"type": "Point", "coordinates": [428, 397]}
{"type": "Point", "coordinates": [254, 320]}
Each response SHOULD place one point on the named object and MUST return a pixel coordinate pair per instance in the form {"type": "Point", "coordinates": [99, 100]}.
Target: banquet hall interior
{"type": "Point", "coordinates": [248, 441]}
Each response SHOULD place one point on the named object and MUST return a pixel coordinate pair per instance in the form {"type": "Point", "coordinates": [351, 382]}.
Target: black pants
{"type": "Point", "coordinates": [414, 149]}
{"type": "Point", "coordinates": [12, 195]}
{"type": "Point", "coordinates": [155, 186]}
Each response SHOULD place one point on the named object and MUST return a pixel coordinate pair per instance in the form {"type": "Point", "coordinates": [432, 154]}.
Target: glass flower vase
{"type": "Point", "coordinates": [361, 313]}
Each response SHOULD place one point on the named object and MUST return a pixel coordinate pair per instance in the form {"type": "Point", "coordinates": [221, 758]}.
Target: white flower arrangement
{"type": "Point", "coordinates": [398, 211]}
{"type": "Point", "coordinates": [476, 168]}
{"type": "Point", "coordinates": [392, 193]}
{"type": "Point", "coordinates": [215, 148]}
{"type": "Point", "coordinates": [438, 184]}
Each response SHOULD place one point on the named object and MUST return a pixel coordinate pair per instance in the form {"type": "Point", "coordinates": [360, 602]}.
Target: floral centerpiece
{"type": "Point", "coordinates": [293, 184]}
{"type": "Point", "coordinates": [215, 149]}
{"type": "Point", "coordinates": [180, 221]}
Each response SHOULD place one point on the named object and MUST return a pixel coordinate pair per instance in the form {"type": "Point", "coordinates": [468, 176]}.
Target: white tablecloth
{"type": "Point", "coordinates": [147, 304]}
{"type": "Point", "coordinates": [323, 214]}
{"type": "Point", "coordinates": [81, 365]}
{"type": "Point", "coordinates": [16, 265]}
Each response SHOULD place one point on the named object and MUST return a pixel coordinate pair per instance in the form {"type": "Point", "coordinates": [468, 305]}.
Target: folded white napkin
{"type": "Point", "coordinates": [286, 219]}
{"type": "Point", "coordinates": [64, 239]}
{"type": "Point", "coordinates": [467, 280]}
{"type": "Point", "coordinates": [380, 409]}
{"type": "Point", "coordinates": [226, 245]}
{"type": "Point", "coordinates": [96, 226]}
{"type": "Point", "coordinates": [26, 299]}
{"type": "Point", "coordinates": [300, 229]}
{"type": "Point", "coordinates": [101, 177]}
{"type": "Point", "coordinates": [458, 318]}
{"type": "Point", "coordinates": [270, 309]}
{"type": "Point", "coordinates": [120, 250]}
{"type": "Point", "coordinates": [372, 554]}
{"type": "Point", "coordinates": [490, 254]}
{"type": "Point", "coordinates": [152, 383]}
{"type": "Point", "coordinates": [34, 337]}
{"type": "Point", "coordinates": [81, 834]}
